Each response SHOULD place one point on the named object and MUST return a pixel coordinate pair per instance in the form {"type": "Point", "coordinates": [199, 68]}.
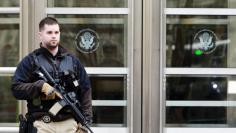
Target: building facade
{"type": "Point", "coordinates": [156, 66]}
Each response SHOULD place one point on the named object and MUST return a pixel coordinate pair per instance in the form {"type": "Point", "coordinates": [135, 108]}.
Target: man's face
{"type": "Point", "coordinates": [50, 36]}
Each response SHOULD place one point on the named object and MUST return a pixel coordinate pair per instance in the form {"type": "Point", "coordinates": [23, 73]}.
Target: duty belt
{"type": "Point", "coordinates": [47, 118]}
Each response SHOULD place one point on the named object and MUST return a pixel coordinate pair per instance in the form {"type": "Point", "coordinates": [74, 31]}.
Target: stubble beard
{"type": "Point", "coordinates": [52, 45]}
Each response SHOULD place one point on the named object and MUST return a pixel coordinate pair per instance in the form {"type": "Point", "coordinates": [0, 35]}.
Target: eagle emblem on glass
{"type": "Point", "coordinates": [205, 41]}
{"type": "Point", "coordinates": [87, 41]}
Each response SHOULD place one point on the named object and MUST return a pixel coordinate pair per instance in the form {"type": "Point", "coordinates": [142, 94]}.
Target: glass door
{"type": "Point", "coordinates": [96, 32]}
{"type": "Point", "coordinates": [200, 66]}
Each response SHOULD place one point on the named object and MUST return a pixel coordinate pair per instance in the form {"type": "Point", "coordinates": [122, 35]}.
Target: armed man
{"type": "Point", "coordinates": [41, 95]}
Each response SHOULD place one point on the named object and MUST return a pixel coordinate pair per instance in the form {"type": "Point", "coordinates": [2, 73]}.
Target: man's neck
{"type": "Point", "coordinates": [53, 51]}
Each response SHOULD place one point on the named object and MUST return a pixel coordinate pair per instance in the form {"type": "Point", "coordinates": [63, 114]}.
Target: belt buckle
{"type": "Point", "coordinates": [46, 119]}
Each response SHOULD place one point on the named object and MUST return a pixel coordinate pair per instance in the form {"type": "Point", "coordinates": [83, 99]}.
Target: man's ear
{"type": "Point", "coordinates": [40, 35]}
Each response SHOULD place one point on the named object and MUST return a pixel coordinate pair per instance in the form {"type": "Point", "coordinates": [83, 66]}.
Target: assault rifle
{"type": "Point", "coordinates": [68, 99]}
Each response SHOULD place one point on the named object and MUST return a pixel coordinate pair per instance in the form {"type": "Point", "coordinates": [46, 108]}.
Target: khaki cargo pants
{"type": "Point", "coordinates": [67, 126]}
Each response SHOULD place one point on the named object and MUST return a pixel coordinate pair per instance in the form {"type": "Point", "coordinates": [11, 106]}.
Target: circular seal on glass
{"type": "Point", "coordinates": [87, 41]}
{"type": "Point", "coordinates": [205, 41]}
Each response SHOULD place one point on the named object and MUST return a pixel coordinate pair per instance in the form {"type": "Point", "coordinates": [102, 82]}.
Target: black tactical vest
{"type": "Point", "coordinates": [56, 66]}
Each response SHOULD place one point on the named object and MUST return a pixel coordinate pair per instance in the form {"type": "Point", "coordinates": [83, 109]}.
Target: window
{"type": "Point", "coordinates": [9, 57]}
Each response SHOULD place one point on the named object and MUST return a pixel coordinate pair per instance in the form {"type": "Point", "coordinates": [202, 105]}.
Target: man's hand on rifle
{"type": "Point", "coordinates": [81, 129]}
{"type": "Point", "coordinates": [49, 92]}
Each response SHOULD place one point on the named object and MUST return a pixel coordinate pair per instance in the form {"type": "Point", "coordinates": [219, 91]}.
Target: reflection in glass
{"type": "Point", "coordinates": [198, 41]}
{"type": "Point", "coordinates": [9, 45]}
{"type": "Point", "coordinates": [200, 3]}
{"type": "Point", "coordinates": [87, 3]}
{"type": "Point", "coordinates": [9, 18]}
{"type": "Point", "coordinates": [105, 116]}
{"type": "Point", "coordinates": [8, 104]}
{"type": "Point", "coordinates": [108, 88]}
{"type": "Point", "coordinates": [201, 89]}
{"type": "Point", "coordinates": [196, 88]}
{"type": "Point", "coordinates": [196, 115]}
{"type": "Point", "coordinates": [9, 3]}
{"type": "Point", "coordinates": [97, 40]}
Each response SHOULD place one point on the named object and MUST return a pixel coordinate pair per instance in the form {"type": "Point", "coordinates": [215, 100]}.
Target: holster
{"type": "Point", "coordinates": [26, 126]}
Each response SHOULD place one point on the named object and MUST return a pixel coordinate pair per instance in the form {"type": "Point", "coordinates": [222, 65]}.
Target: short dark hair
{"type": "Point", "coordinates": [48, 21]}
